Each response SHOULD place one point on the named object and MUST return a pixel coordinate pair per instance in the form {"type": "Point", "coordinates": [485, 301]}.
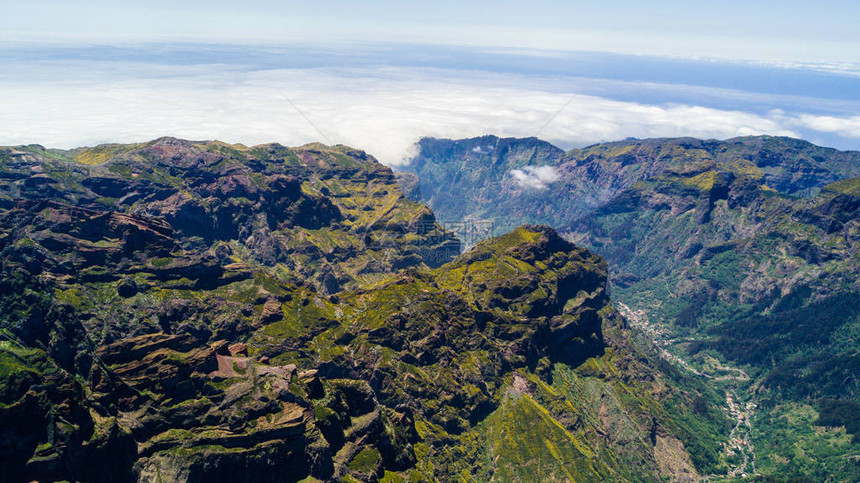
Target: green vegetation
{"type": "Point", "coordinates": [103, 153]}
{"type": "Point", "coordinates": [793, 444]}
{"type": "Point", "coordinates": [527, 444]}
{"type": "Point", "coordinates": [255, 307]}
{"type": "Point", "coordinates": [20, 368]}
{"type": "Point", "coordinates": [171, 307]}
{"type": "Point", "coordinates": [738, 257]}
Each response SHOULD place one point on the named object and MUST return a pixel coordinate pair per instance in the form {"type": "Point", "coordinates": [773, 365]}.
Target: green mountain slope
{"type": "Point", "coordinates": [731, 255]}
{"type": "Point", "coordinates": [325, 214]}
{"type": "Point", "coordinates": [181, 311]}
{"type": "Point", "coordinates": [469, 178]}
{"type": "Point", "coordinates": [740, 257]}
{"type": "Point", "coordinates": [766, 281]}
{"type": "Point", "coordinates": [475, 178]}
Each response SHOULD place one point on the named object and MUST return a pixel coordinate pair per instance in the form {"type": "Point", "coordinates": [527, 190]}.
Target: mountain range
{"type": "Point", "coordinates": [739, 257]}
{"type": "Point", "coordinates": [643, 310]}
{"type": "Point", "coordinates": [198, 311]}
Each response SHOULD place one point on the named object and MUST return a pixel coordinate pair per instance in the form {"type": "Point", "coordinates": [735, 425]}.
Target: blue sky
{"type": "Point", "coordinates": [785, 30]}
{"type": "Point", "coordinates": [379, 75]}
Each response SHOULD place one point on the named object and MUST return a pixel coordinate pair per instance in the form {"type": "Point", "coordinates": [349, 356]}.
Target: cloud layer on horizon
{"type": "Point", "coordinates": [381, 110]}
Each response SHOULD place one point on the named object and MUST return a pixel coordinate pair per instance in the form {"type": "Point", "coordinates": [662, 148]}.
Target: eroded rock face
{"type": "Point", "coordinates": [473, 178]}
{"type": "Point", "coordinates": [187, 311]}
{"type": "Point", "coordinates": [214, 416]}
{"type": "Point", "coordinates": [171, 408]}
{"type": "Point", "coordinates": [125, 273]}
{"type": "Point", "coordinates": [319, 212]}
{"type": "Point", "coordinates": [190, 407]}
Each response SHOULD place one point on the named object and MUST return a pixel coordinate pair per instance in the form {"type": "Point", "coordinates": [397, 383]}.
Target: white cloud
{"type": "Point", "coordinates": [839, 68]}
{"type": "Point", "coordinates": [538, 177]}
{"type": "Point", "coordinates": [383, 111]}
{"type": "Point", "coordinates": [843, 126]}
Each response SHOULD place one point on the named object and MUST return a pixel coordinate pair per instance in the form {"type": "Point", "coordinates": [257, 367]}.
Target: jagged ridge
{"type": "Point", "coordinates": [147, 333]}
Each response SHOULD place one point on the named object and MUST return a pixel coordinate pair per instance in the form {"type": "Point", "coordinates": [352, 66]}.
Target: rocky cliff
{"type": "Point", "coordinates": [513, 181]}
{"type": "Point", "coordinates": [738, 256]}
{"type": "Point", "coordinates": [184, 311]}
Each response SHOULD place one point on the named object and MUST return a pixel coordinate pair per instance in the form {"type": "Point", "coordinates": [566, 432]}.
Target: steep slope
{"type": "Point", "coordinates": [740, 257]}
{"type": "Point", "coordinates": [729, 249]}
{"type": "Point", "coordinates": [122, 280]}
{"type": "Point", "coordinates": [514, 181]}
{"type": "Point", "coordinates": [329, 215]}
{"type": "Point", "coordinates": [469, 179]}
{"type": "Point", "coordinates": [734, 269]}
{"type": "Point", "coordinates": [166, 315]}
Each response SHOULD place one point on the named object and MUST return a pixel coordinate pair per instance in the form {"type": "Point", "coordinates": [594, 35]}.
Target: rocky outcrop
{"type": "Point", "coordinates": [698, 233]}
{"type": "Point", "coordinates": [181, 311]}
{"type": "Point", "coordinates": [764, 278]}
{"type": "Point", "coordinates": [490, 177]}
{"type": "Point", "coordinates": [272, 200]}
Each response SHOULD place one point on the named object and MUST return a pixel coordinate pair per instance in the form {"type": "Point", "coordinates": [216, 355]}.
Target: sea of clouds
{"type": "Point", "coordinates": [384, 108]}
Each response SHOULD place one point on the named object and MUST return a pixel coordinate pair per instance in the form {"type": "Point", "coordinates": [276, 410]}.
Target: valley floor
{"type": "Point", "coordinates": [738, 449]}
{"type": "Point", "coordinates": [782, 439]}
